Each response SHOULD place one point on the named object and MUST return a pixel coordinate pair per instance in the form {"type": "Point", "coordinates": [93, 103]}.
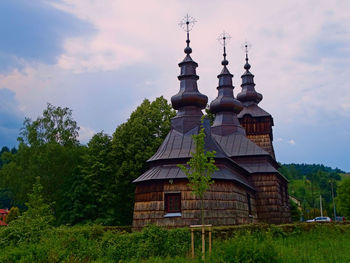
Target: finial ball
{"type": "Point", "coordinates": [188, 50]}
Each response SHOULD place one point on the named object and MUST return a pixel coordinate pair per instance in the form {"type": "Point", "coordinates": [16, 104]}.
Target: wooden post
{"type": "Point", "coordinates": [193, 228]}
{"type": "Point", "coordinates": [192, 242]}
{"type": "Point", "coordinates": [210, 240]}
{"type": "Point", "coordinates": [203, 242]}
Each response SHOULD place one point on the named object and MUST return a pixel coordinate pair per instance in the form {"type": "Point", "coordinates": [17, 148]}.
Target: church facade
{"type": "Point", "coordinates": [247, 186]}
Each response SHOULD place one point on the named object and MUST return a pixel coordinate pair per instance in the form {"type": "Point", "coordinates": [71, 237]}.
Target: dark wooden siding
{"type": "Point", "coordinates": [271, 205]}
{"type": "Point", "coordinates": [259, 130]}
{"type": "Point", "coordinates": [225, 203]}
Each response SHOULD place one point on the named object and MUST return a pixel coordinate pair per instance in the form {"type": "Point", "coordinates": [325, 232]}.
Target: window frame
{"type": "Point", "coordinates": [249, 204]}
{"type": "Point", "coordinates": [167, 199]}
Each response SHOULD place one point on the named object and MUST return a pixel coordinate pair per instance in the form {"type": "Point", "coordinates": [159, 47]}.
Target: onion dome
{"type": "Point", "coordinates": [188, 102]}
{"type": "Point", "coordinates": [225, 100]}
{"type": "Point", "coordinates": [188, 94]}
{"type": "Point", "coordinates": [225, 106]}
{"type": "Point", "coordinates": [248, 95]}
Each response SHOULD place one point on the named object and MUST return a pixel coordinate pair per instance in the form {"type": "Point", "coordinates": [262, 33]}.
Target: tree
{"type": "Point", "coordinates": [200, 167]}
{"type": "Point", "coordinates": [13, 214]}
{"type": "Point", "coordinates": [294, 211]}
{"type": "Point", "coordinates": [134, 142]}
{"type": "Point", "coordinates": [93, 192]}
{"type": "Point", "coordinates": [33, 223]}
{"type": "Point", "coordinates": [49, 148]}
{"type": "Point", "coordinates": [55, 126]}
{"type": "Point", "coordinates": [343, 197]}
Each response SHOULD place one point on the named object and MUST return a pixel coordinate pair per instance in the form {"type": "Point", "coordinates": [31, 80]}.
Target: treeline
{"type": "Point", "coordinates": [307, 182]}
{"type": "Point", "coordinates": [93, 182]}
{"type": "Point", "coordinates": [298, 171]}
{"type": "Point", "coordinates": [84, 183]}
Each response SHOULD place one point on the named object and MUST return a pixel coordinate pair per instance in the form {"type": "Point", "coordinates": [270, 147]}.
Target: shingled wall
{"type": "Point", "coordinates": [259, 130]}
{"type": "Point", "coordinates": [272, 203]}
{"type": "Point", "coordinates": [225, 203]}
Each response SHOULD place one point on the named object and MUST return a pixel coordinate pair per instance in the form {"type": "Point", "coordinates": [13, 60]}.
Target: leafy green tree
{"type": "Point", "coordinates": [343, 197]}
{"type": "Point", "coordinates": [55, 126]}
{"type": "Point", "coordinates": [93, 191]}
{"type": "Point", "coordinates": [200, 168]}
{"type": "Point", "coordinates": [33, 223]}
{"type": "Point", "coordinates": [49, 147]}
{"type": "Point", "coordinates": [134, 142]}
{"type": "Point", "coordinates": [13, 214]}
{"type": "Point", "coordinates": [294, 211]}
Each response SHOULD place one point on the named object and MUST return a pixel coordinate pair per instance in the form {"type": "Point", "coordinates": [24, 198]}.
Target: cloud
{"type": "Point", "coordinates": [102, 58]}
{"type": "Point", "coordinates": [34, 31]}
{"type": "Point", "coordinates": [11, 118]}
{"type": "Point", "coordinates": [291, 142]}
{"type": "Point", "coordinates": [85, 134]}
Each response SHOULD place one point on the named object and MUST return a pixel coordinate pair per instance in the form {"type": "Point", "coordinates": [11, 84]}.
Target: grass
{"type": "Point", "coordinates": [258, 243]}
{"type": "Point", "coordinates": [321, 244]}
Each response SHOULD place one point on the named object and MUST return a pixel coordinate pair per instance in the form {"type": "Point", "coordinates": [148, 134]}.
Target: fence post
{"type": "Point", "coordinates": [203, 242]}
{"type": "Point", "coordinates": [192, 242]}
{"type": "Point", "coordinates": [210, 240]}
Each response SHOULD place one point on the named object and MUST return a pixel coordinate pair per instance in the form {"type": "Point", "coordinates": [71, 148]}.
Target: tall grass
{"type": "Point", "coordinates": [320, 243]}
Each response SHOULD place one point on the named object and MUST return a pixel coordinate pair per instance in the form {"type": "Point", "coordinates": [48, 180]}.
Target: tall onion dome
{"type": "Point", "coordinates": [189, 102]}
{"type": "Point", "coordinates": [248, 95]}
{"type": "Point", "coordinates": [225, 106]}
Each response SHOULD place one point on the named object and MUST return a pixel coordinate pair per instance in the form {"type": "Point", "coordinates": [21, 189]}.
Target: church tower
{"type": "Point", "coordinates": [256, 121]}
{"type": "Point", "coordinates": [225, 106]}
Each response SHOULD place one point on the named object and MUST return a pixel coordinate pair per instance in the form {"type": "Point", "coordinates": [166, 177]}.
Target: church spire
{"type": "Point", "coordinates": [225, 106]}
{"type": "Point", "coordinates": [188, 101]}
{"type": "Point", "coordinates": [248, 95]}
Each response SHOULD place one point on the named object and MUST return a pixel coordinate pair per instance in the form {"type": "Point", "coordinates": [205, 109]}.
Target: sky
{"type": "Point", "coordinates": [102, 58]}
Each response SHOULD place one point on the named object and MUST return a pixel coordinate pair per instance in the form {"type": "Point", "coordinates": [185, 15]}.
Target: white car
{"type": "Point", "coordinates": [320, 219]}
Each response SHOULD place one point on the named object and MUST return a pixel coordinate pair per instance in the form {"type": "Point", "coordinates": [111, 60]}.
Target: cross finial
{"type": "Point", "coordinates": [223, 39]}
{"type": "Point", "coordinates": [187, 23]}
{"type": "Point", "coordinates": [246, 46]}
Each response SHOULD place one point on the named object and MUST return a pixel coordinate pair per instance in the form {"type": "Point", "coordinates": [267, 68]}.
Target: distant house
{"type": "Point", "coordinates": [3, 215]}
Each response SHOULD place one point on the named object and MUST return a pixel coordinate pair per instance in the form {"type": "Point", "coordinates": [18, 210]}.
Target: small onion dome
{"type": "Point", "coordinates": [248, 93]}
{"type": "Point", "coordinates": [225, 101]}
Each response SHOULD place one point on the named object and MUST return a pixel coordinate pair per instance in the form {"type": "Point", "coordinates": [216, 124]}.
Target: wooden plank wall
{"type": "Point", "coordinates": [259, 130]}
{"type": "Point", "coordinates": [271, 204]}
{"type": "Point", "coordinates": [225, 203]}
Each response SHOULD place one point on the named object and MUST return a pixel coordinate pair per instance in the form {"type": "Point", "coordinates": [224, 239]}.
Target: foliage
{"type": "Point", "coordinates": [3, 153]}
{"type": "Point", "coordinates": [200, 167]}
{"type": "Point", "coordinates": [133, 143]}
{"type": "Point", "coordinates": [55, 126]}
{"type": "Point", "coordinates": [93, 189]}
{"type": "Point", "coordinates": [208, 115]}
{"type": "Point", "coordinates": [13, 214]}
{"type": "Point", "coordinates": [49, 148]}
{"type": "Point", "coordinates": [343, 198]}
{"type": "Point", "coordinates": [294, 211]}
{"type": "Point", "coordinates": [6, 197]}
{"type": "Point", "coordinates": [92, 243]}
{"type": "Point", "coordinates": [308, 182]}
{"type": "Point", "coordinates": [298, 171]}
{"type": "Point", "coordinates": [33, 223]}
{"type": "Point", "coordinates": [90, 183]}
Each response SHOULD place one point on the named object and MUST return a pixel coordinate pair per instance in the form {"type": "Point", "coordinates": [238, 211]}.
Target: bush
{"type": "Point", "coordinates": [12, 215]}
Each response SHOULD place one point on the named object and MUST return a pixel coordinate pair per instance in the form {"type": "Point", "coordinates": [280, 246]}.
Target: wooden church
{"type": "Point", "coordinates": [247, 185]}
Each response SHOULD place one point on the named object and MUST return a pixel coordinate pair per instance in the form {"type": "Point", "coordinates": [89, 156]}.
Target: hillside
{"type": "Point", "coordinates": [308, 181]}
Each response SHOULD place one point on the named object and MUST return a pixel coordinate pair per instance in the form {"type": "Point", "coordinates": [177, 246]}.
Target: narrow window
{"type": "Point", "coordinates": [249, 204]}
{"type": "Point", "coordinates": [282, 194]}
{"type": "Point", "coordinates": [173, 203]}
